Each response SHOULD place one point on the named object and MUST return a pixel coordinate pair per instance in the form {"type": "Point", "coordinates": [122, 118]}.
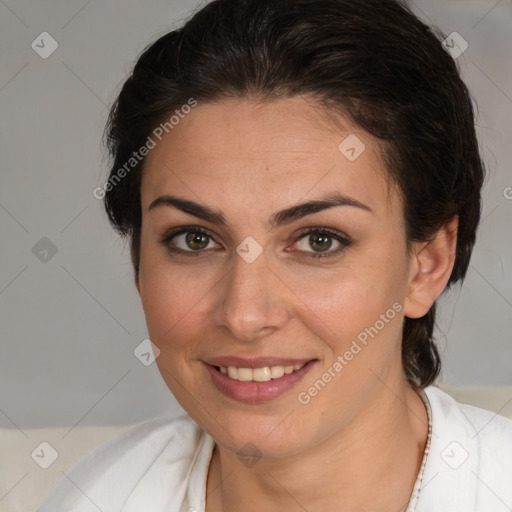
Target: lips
{"type": "Point", "coordinates": [244, 380]}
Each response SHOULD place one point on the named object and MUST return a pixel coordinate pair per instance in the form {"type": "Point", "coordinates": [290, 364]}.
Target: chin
{"type": "Point", "coordinates": [265, 437]}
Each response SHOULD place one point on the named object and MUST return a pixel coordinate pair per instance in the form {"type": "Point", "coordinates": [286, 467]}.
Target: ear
{"type": "Point", "coordinates": [430, 267]}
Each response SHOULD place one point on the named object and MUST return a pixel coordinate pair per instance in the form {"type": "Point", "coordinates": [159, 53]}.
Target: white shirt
{"type": "Point", "coordinates": [161, 465]}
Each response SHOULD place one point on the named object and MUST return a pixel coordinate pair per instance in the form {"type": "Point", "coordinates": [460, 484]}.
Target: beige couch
{"type": "Point", "coordinates": [24, 483]}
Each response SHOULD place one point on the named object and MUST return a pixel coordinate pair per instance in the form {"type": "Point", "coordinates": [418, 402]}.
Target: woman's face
{"type": "Point", "coordinates": [250, 292]}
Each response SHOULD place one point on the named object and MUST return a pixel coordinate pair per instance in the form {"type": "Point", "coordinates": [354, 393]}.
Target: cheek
{"type": "Point", "coordinates": [337, 304]}
{"type": "Point", "coordinates": [351, 320]}
{"type": "Point", "coordinates": [172, 300]}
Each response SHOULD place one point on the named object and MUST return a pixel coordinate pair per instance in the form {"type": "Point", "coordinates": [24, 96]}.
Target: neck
{"type": "Point", "coordinates": [372, 463]}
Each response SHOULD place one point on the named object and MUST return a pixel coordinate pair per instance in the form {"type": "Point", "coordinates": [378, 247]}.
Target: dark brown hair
{"type": "Point", "coordinates": [373, 60]}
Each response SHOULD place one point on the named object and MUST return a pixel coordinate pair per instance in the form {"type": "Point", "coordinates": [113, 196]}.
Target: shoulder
{"type": "Point", "coordinates": [486, 427]}
{"type": "Point", "coordinates": [108, 474]}
{"type": "Point", "coordinates": [469, 465]}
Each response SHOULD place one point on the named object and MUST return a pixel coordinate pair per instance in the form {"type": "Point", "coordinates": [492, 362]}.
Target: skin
{"type": "Point", "coordinates": [367, 428]}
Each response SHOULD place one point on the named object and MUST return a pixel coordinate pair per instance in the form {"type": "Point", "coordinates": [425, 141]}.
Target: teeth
{"type": "Point", "coordinates": [258, 374]}
{"type": "Point", "coordinates": [261, 374]}
{"type": "Point", "coordinates": [244, 374]}
{"type": "Point", "coordinates": [276, 372]}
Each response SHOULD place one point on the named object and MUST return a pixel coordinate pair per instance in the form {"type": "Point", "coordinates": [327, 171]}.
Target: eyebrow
{"type": "Point", "coordinates": [279, 218]}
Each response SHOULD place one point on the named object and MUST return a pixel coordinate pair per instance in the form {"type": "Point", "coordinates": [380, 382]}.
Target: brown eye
{"type": "Point", "coordinates": [196, 240]}
{"type": "Point", "coordinates": [321, 240]}
{"type": "Point", "coordinates": [188, 240]}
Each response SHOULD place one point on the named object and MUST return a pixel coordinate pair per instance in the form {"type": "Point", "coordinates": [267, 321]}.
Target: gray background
{"type": "Point", "coordinates": [69, 325]}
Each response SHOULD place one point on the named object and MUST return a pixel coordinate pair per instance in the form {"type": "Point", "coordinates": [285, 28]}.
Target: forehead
{"type": "Point", "coordinates": [246, 152]}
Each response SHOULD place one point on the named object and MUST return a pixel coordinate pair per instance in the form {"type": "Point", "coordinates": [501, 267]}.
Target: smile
{"type": "Point", "coordinates": [264, 374]}
{"type": "Point", "coordinates": [264, 380]}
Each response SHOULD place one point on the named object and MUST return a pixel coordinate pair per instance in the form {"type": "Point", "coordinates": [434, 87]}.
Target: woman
{"type": "Point", "coordinates": [299, 181]}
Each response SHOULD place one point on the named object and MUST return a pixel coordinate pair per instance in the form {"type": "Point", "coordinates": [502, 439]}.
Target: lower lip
{"type": "Point", "coordinates": [254, 392]}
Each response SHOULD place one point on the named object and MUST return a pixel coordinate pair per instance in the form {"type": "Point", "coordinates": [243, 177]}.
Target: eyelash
{"type": "Point", "coordinates": [339, 237]}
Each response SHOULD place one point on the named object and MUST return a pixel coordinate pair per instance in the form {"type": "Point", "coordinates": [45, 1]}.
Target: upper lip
{"type": "Point", "coordinates": [254, 362]}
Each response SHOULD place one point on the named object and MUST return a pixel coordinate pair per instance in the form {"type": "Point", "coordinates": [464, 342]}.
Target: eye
{"type": "Point", "coordinates": [321, 240]}
{"type": "Point", "coordinates": [192, 240]}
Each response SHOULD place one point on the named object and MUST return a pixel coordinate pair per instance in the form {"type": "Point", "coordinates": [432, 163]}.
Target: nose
{"type": "Point", "coordinates": [252, 302]}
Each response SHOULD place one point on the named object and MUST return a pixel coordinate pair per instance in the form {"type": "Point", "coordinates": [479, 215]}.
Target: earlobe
{"type": "Point", "coordinates": [431, 265]}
